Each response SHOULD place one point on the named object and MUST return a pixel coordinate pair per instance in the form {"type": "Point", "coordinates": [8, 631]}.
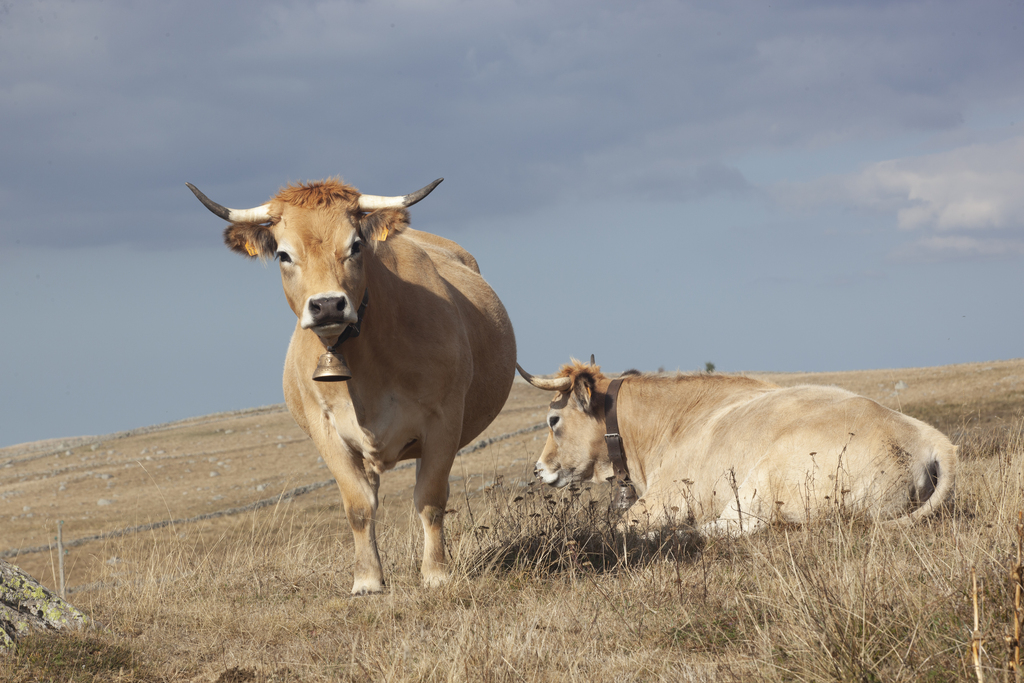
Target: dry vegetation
{"type": "Point", "coordinates": [542, 589]}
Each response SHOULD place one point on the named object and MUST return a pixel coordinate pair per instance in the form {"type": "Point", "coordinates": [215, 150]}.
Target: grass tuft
{"type": "Point", "coordinates": [544, 531]}
{"type": "Point", "coordinates": [72, 657]}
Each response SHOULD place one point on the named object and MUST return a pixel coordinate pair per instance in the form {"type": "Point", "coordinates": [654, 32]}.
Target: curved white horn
{"type": "Point", "coordinates": [259, 214]}
{"type": "Point", "coordinates": [371, 202]}
{"type": "Point", "coordinates": [556, 384]}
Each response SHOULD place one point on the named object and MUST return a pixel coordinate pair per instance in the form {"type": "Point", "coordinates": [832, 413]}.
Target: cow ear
{"type": "Point", "coordinates": [383, 224]}
{"type": "Point", "coordinates": [251, 240]}
{"type": "Point", "coordinates": [583, 390]}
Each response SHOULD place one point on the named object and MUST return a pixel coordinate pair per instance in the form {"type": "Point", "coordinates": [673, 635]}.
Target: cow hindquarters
{"type": "Point", "coordinates": [933, 474]}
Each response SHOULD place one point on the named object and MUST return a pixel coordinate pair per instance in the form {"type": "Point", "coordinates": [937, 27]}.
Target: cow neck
{"type": "Point", "coordinates": [623, 493]}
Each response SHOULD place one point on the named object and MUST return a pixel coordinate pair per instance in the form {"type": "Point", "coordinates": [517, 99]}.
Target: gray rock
{"type": "Point", "coordinates": [26, 606]}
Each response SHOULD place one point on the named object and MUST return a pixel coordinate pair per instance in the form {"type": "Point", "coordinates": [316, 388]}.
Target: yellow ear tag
{"type": "Point", "coordinates": [383, 235]}
{"type": "Point", "coordinates": [250, 248]}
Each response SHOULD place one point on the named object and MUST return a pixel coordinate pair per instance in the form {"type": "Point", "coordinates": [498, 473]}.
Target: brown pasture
{"type": "Point", "coordinates": [262, 595]}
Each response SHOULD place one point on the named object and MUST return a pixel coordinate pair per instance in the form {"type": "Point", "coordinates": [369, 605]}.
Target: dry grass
{"type": "Point", "coordinates": [559, 596]}
{"type": "Point", "coordinates": [543, 589]}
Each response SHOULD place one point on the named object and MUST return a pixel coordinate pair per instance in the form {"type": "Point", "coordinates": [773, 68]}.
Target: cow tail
{"type": "Point", "coordinates": [938, 471]}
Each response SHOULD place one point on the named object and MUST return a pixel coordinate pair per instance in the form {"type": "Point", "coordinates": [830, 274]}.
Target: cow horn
{"type": "Point", "coordinates": [371, 202]}
{"type": "Point", "coordinates": [259, 214]}
{"type": "Point", "coordinates": [556, 384]}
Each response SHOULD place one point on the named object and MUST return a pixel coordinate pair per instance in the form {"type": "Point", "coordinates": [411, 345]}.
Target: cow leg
{"type": "Point", "coordinates": [361, 511]}
{"type": "Point", "coordinates": [431, 498]}
{"type": "Point", "coordinates": [650, 516]}
{"type": "Point", "coordinates": [359, 495]}
{"type": "Point", "coordinates": [742, 514]}
{"type": "Point", "coordinates": [358, 485]}
{"type": "Point", "coordinates": [662, 506]}
{"type": "Point", "coordinates": [731, 523]}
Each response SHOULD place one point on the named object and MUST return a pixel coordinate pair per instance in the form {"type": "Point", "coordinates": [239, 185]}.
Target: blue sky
{"type": "Point", "coordinates": [798, 186]}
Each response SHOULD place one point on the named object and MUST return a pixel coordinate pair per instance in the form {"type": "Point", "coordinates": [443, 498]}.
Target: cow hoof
{"type": "Point", "coordinates": [435, 580]}
{"type": "Point", "coordinates": [367, 588]}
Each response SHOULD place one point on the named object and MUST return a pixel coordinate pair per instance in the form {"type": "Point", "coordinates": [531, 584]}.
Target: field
{"type": "Point", "coordinates": [214, 549]}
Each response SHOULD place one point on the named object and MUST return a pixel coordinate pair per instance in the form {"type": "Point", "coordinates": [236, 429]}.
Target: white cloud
{"type": "Point", "coordinates": [946, 247]}
{"type": "Point", "coordinates": [967, 201]}
{"type": "Point", "coordinates": [971, 188]}
{"type": "Point", "coordinates": [978, 187]}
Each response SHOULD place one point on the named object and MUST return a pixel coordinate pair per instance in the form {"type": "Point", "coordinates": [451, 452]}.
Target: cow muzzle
{"type": "Point", "coordinates": [557, 478]}
{"type": "Point", "coordinates": [328, 314]}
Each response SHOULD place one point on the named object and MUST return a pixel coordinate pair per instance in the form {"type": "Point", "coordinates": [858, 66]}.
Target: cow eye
{"type": "Point", "coordinates": [283, 257]}
{"type": "Point", "coordinates": [356, 246]}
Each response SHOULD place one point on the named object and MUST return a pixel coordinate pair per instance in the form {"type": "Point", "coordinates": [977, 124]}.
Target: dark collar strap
{"type": "Point", "coordinates": [623, 493]}
{"type": "Point", "coordinates": [612, 436]}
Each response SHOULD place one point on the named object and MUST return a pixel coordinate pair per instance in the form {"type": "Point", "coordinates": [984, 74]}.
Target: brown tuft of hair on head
{"type": "Point", "coordinates": [320, 193]}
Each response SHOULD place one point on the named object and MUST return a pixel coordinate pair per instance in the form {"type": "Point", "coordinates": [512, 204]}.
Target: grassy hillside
{"type": "Point", "coordinates": [541, 589]}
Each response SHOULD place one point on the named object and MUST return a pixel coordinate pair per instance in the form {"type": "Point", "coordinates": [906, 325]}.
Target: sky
{"type": "Point", "coordinates": [794, 186]}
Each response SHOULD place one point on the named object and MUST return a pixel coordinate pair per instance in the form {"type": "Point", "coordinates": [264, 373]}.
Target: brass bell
{"type": "Point", "coordinates": [331, 368]}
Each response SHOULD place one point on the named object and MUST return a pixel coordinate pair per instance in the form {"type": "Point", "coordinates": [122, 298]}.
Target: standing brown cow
{"type": "Point", "coordinates": [428, 344]}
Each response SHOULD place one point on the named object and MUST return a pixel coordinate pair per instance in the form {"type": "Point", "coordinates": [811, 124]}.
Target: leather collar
{"type": "Point", "coordinates": [623, 492]}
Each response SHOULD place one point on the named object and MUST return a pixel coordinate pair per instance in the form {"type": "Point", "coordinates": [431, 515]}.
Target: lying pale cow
{"type": "Point", "coordinates": [733, 453]}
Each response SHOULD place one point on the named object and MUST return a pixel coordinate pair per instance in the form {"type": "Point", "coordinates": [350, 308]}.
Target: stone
{"type": "Point", "coordinates": [26, 606]}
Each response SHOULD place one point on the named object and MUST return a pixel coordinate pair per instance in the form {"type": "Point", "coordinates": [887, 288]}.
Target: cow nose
{"type": "Point", "coordinates": [326, 310]}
